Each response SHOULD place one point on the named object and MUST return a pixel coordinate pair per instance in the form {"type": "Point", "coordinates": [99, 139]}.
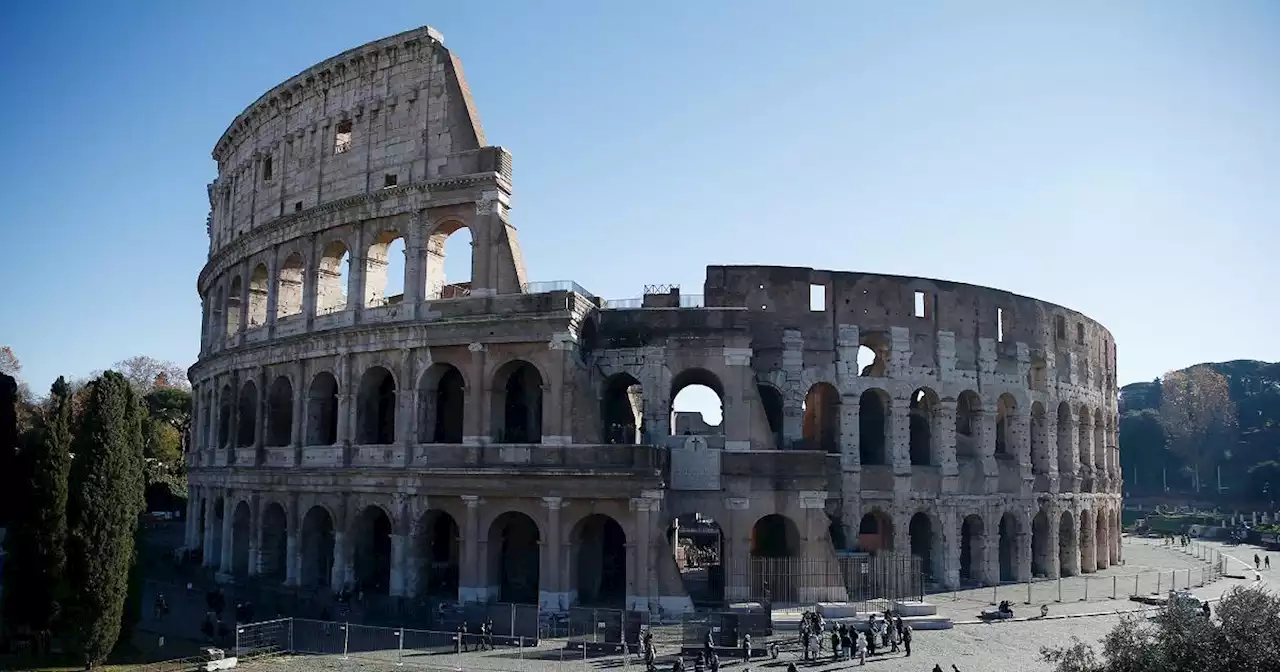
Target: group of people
{"type": "Point", "coordinates": [1259, 563]}
{"type": "Point", "coordinates": [483, 641]}
{"type": "Point", "coordinates": [885, 630]}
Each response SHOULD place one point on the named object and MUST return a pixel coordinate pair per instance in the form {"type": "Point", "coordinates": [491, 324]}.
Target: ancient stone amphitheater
{"type": "Point", "coordinates": [502, 439]}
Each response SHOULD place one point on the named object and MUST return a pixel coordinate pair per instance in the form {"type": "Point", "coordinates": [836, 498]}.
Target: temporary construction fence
{"type": "Point", "coordinates": [858, 578]}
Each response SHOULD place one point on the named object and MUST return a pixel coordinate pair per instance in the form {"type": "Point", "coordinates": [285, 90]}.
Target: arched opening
{"type": "Point", "coordinates": [514, 560]}
{"type": "Point", "coordinates": [289, 290]}
{"type": "Point", "coordinates": [322, 410]}
{"type": "Point", "coordinates": [925, 538]}
{"type": "Point", "coordinates": [697, 403]}
{"type": "Point", "coordinates": [1068, 551]}
{"type": "Point", "coordinates": [1084, 427]}
{"type": "Point", "coordinates": [517, 403]}
{"type": "Point", "coordinates": [376, 407]}
{"type": "Point", "coordinates": [273, 557]}
{"type": "Point", "coordinates": [822, 418]}
{"type": "Point", "coordinates": [217, 316]}
{"type": "Point", "coordinates": [771, 402]}
{"type": "Point", "coordinates": [1041, 554]}
{"type": "Point", "coordinates": [442, 398]}
{"type": "Point", "coordinates": [973, 541]}
{"type": "Point", "coordinates": [924, 404]}
{"type": "Point", "coordinates": [1006, 406]}
{"type": "Point", "coordinates": [233, 306]}
{"type": "Point", "coordinates": [240, 539]}
{"type": "Point", "coordinates": [621, 409]}
{"type": "Point", "coordinates": [1100, 443]}
{"type": "Point", "coordinates": [279, 412]}
{"type": "Point", "coordinates": [698, 545]}
{"type": "Point", "coordinates": [875, 532]}
{"type": "Point", "coordinates": [873, 355]}
{"type": "Point", "coordinates": [775, 539]}
{"type": "Point", "coordinates": [248, 416]}
{"type": "Point", "coordinates": [1066, 452]}
{"type": "Point", "coordinates": [259, 285]}
{"type": "Point", "coordinates": [968, 419]}
{"type": "Point", "coordinates": [317, 547]}
{"type": "Point", "coordinates": [449, 278]}
{"type": "Point", "coordinates": [224, 417]}
{"type": "Point", "coordinates": [873, 414]}
{"type": "Point", "coordinates": [1009, 533]}
{"type": "Point", "coordinates": [601, 561]}
{"type": "Point", "coordinates": [372, 556]}
{"type": "Point", "coordinates": [440, 554]}
{"type": "Point", "coordinates": [332, 276]}
{"type": "Point", "coordinates": [1039, 428]}
{"type": "Point", "coordinates": [384, 270]}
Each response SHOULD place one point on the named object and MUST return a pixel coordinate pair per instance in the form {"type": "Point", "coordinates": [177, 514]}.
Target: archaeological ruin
{"type": "Point", "coordinates": [363, 420]}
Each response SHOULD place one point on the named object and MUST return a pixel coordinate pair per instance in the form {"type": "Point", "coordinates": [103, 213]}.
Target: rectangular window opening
{"type": "Point", "coordinates": [297, 207]}
{"type": "Point", "coordinates": [389, 180]}
{"type": "Point", "coordinates": [342, 139]}
{"type": "Point", "coordinates": [817, 298]}
{"type": "Point", "coordinates": [266, 169]}
{"type": "Point", "coordinates": [1080, 333]}
{"type": "Point", "coordinates": [1061, 323]}
{"type": "Point", "coordinates": [922, 305]}
{"type": "Point", "coordinates": [1000, 325]}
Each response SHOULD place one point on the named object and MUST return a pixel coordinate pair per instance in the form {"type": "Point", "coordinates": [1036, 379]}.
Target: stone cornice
{"type": "Point", "coordinates": [431, 193]}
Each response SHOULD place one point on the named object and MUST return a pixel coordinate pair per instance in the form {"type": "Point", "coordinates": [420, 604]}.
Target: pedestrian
{"type": "Point", "coordinates": [488, 629]}
{"type": "Point", "coordinates": [1266, 560]}
{"type": "Point", "coordinates": [906, 639]}
{"type": "Point", "coordinates": [937, 668]}
{"type": "Point", "coordinates": [160, 606]}
{"type": "Point", "coordinates": [713, 663]}
{"type": "Point", "coordinates": [746, 648]}
{"type": "Point", "coordinates": [699, 664]}
{"type": "Point", "coordinates": [1257, 562]}
{"type": "Point", "coordinates": [805, 640]}
{"type": "Point", "coordinates": [835, 642]}
{"type": "Point", "coordinates": [860, 645]}
{"type": "Point", "coordinates": [708, 644]}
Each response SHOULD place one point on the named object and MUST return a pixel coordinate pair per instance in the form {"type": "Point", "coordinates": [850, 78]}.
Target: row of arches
{"type": "Point", "coordinates": [246, 301]}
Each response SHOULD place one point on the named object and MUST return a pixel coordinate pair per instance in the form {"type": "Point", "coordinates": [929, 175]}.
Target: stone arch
{"type": "Point", "coordinates": [241, 530]}
{"type": "Point", "coordinates": [1041, 553]}
{"type": "Point", "coordinates": [873, 427]}
{"type": "Point", "coordinates": [774, 541]}
{"type": "Point", "coordinates": [232, 309]}
{"type": "Point", "coordinates": [378, 287]}
{"type": "Point", "coordinates": [771, 402]}
{"type": "Point", "coordinates": [259, 287]}
{"type": "Point", "coordinates": [376, 407]}
{"type": "Point", "coordinates": [1039, 432]}
{"type": "Point", "coordinates": [821, 429]}
{"type": "Point", "coordinates": [621, 409]}
{"type": "Point", "coordinates": [517, 403]}
{"type": "Point", "coordinates": [1006, 408]}
{"type": "Point", "coordinates": [922, 417]}
{"type": "Point", "coordinates": [514, 560]}
{"type": "Point", "coordinates": [697, 542]}
{"type": "Point", "coordinates": [273, 556]}
{"type": "Point", "coordinates": [1068, 548]}
{"type": "Point", "coordinates": [875, 531]}
{"type": "Point", "coordinates": [225, 404]}
{"type": "Point", "coordinates": [279, 412]}
{"type": "Point", "coordinates": [968, 425]}
{"type": "Point", "coordinates": [442, 402]}
{"type": "Point", "coordinates": [247, 422]}
{"type": "Point", "coordinates": [289, 287]}
{"type": "Point", "coordinates": [973, 543]}
{"type": "Point", "coordinates": [438, 544]}
{"type": "Point", "coordinates": [1066, 452]}
{"type": "Point", "coordinates": [317, 541]}
{"type": "Point", "coordinates": [372, 549]}
{"type": "Point", "coordinates": [438, 286]}
{"type": "Point", "coordinates": [680, 423]}
{"type": "Point", "coordinates": [599, 563]}
{"type": "Point", "coordinates": [332, 275]}
{"type": "Point", "coordinates": [874, 351]}
{"type": "Point", "coordinates": [322, 410]}
{"type": "Point", "coordinates": [1011, 532]}
{"type": "Point", "coordinates": [925, 533]}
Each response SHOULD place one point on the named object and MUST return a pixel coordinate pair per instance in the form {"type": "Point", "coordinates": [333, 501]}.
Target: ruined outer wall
{"type": "Point", "coordinates": [409, 109]}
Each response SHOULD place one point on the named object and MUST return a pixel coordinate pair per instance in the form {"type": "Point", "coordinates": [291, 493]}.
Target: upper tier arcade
{"type": "Point", "coordinates": [393, 112]}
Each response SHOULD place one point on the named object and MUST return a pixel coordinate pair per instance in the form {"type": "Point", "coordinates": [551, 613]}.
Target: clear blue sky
{"type": "Point", "coordinates": [1119, 158]}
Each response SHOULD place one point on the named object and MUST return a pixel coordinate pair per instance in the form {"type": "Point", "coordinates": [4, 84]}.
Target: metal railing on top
{"type": "Point", "coordinates": [545, 287]}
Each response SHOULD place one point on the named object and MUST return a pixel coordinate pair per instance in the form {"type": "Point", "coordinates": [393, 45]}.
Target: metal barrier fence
{"type": "Point", "coordinates": [845, 578]}
{"type": "Point", "coordinates": [606, 626]}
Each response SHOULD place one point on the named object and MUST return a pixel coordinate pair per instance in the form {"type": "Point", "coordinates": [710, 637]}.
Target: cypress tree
{"type": "Point", "coordinates": [38, 535]}
{"type": "Point", "coordinates": [102, 514]}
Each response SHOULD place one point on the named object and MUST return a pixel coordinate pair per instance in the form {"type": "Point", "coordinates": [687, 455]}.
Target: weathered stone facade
{"type": "Point", "coordinates": [501, 439]}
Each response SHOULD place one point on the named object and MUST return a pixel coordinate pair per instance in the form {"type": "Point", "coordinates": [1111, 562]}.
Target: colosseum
{"type": "Point", "coordinates": [506, 440]}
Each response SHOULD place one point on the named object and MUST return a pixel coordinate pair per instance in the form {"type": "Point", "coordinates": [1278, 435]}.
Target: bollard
{"type": "Point", "coordinates": [1028, 591]}
{"type": "Point", "coordinates": [1113, 586]}
{"type": "Point", "coordinates": [1158, 577]}
{"type": "Point", "coordinates": [400, 650]}
{"type": "Point", "coordinates": [1135, 585]}
{"type": "Point", "coordinates": [1086, 590]}
{"type": "Point", "coordinates": [346, 638]}
{"type": "Point", "coordinates": [995, 593]}
{"type": "Point", "coordinates": [1059, 587]}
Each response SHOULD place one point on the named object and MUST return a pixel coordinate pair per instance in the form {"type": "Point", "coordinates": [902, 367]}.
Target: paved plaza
{"type": "Point", "coordinates": [970, 646]}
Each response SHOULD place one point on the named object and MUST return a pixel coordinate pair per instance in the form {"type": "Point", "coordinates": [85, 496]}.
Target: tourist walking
{"type": "Point", "coordinates": [1266, 561]}
{"type": "Point", "coordinates": [906, 639]}
{"type": "Point", "coordinates": [860, 646]}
